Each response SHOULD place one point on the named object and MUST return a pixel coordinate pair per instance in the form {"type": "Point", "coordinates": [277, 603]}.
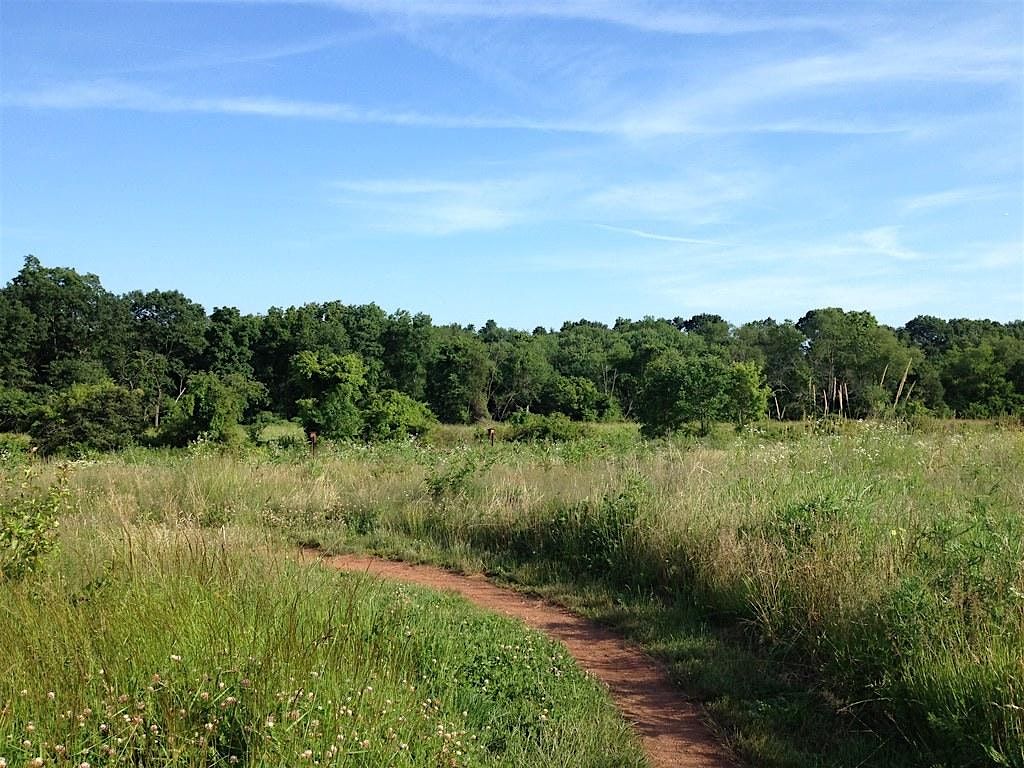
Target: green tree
{"type": "Point", "coordinates": [778, 348]}
{"type": "Point", "coordinates": [647, 340]}
{"type": "Point", "coordinates": [83, 417]}
{"type": "Point", "coordinates": [852, 353]}
{"type": "Point", "coordinates": [170, 334]}
{"type": "Point", "coordinates": [682, 390]}
{"type": "Point", "coordinates": [407, 350]}
{"type": "Point", "coordinates": [519, 373]}
{"type": "Point", "coordinates": [457, 378]}
{"type": "Point", "coordinates": [593, 351]}
{"type": "Point", "coordinates": [747, 393]}
{"type": "Point", "coordinates": [283, 333]}
{"type": "Point", "coordinates": [230, 337]}
{"type": "Point", "coordinates": [713, 329]}
{"type": "Point", "coordinates": [212, 408]}
{"type": "Point", "coordinates": [335, 386]}
{"type": "Point", "coordinates": [573, 396]}
{"type": "Point", "coordinates": [59, 327]}
{"type": "Point", "coordinates": [977, 383]}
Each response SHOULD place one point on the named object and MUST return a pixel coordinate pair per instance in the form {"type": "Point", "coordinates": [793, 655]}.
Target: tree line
{"type": "Point", "coordinates": [81, 366]}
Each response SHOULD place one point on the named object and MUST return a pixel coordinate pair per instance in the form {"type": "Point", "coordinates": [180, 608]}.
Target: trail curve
{"type": "Point", "coordinates": [671, 727]}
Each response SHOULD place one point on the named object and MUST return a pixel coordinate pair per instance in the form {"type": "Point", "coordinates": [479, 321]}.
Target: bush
{"type": "Point", "coordinates": [391, 414]}
{"type": "Point", "coordinates": [14, 447]}
{"type": "Point", "coordinates": [212, 408]}
{"type": "Point", "coordinates": [84, 417]}
{"type": "Point", "coordinates": [18, 409]}
{"type": "Point", "coordinates": [28, 524]}
{"type": "Point", "coordinates": [555, 427]}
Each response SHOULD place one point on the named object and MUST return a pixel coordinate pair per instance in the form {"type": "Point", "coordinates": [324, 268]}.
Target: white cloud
{"type": "Point", "coordinates": [951, 197]}
{"type": "Point", "coordinates": [883, 241]}
{"type": "Point", "coordinates": [644, 235]}
{"type": "Point", "coordinates": [644, 15]}
{"type": "Point", "coordinates": [441, 206]}
{"type": "Point", "coordinates": [693, 199]}
{"type": "Point", "coordinates": [108, 94]}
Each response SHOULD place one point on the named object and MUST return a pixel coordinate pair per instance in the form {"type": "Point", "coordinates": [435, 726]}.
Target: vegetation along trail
{"type": "Point", "coordinates": [671, 727]}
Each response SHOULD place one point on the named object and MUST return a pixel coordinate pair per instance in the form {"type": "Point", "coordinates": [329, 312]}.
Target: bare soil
{"type": "Point", "coordinates": [671, 727]}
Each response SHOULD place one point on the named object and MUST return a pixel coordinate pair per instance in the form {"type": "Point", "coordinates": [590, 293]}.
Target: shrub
{"type": "Point", "coordinates": [100, 417]}
{"type": "Point", "coordinates": [28, 524]}
{"type": "Point", "coordinates": [391, 414]}
{"type": "Point", "coordinates": [555, 427]}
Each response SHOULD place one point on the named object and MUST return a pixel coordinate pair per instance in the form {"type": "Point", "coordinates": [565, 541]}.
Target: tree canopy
{"type": "Point", "coordinates": [83, 367]}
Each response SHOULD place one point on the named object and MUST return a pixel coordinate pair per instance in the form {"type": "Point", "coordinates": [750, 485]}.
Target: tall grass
{"type": "Point", "coordinates": [163, 647]}
{"type": "Point", "coordinates": [887, 563]}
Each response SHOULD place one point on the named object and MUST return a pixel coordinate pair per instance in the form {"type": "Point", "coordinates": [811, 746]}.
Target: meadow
{"type": "Point", "coordinates": [217, 648]}
{"type": "Point", "coordinates": [840, 593]}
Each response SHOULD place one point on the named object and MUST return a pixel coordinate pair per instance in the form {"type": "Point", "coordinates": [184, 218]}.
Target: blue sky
{"type": "Point", "coordinates": [526, 161]}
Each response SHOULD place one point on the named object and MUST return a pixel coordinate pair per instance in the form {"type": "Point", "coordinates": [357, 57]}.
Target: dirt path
{"type": "Point", "coordinates": [671, 728]}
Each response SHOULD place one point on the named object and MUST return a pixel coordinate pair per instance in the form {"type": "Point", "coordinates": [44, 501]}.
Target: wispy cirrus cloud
{"type": "Point", "coordinates": [440, 206]}
{"type": "Point", "coordinates": [645, 235]}
{"type": "Point", "coordinates": [112, 94]}
{"type": "Point", "coordinates": [119, 95]}
{"type": "Point", "coordinates": [952, 197]}
{"type": "Point", "coordinates": [227, 56]}
{"type": "Point", "coordinates": [647, 16]}
{"type": "Point", "coordinates": [693, 199]}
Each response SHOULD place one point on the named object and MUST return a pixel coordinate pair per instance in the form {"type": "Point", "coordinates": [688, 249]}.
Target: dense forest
{"type": "Point", "coordinates": [81, 367]}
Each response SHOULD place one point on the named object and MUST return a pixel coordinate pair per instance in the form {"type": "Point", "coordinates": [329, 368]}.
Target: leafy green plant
{"type": "Point", "coordinates": [28, 523]}
{"type": "Point", "coordinates": [553, 427]}
{"type": "Point", "coordinates": [454, 476]}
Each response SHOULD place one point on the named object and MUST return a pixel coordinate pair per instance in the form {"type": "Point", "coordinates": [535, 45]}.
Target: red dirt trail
{"type": "Point", "coordinates": [670, 727]}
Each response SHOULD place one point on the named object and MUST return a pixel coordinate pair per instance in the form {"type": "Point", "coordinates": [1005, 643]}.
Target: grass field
{"type": "Point", "coordinates": [188, 648]}
{"type": "Point", "coordinates": [844, 595]}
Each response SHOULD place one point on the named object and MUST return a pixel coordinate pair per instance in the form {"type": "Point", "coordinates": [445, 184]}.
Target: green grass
{"type": "Point", "coordinates": [837, 594]}
{"type": "Point", "coordinates": [204, 649]}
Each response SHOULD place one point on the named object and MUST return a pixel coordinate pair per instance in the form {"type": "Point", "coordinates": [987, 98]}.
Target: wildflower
{"type": "Point", "coordinates": [36, 762]}
{"type": "Point", "coordinates": [51, 695]}
{"type": "Point", "coordinates": [307, 754]}
{"type": "Point", "coordinates": [81, 765]}
{"type": "Point", "coordinates": [175, 657]}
